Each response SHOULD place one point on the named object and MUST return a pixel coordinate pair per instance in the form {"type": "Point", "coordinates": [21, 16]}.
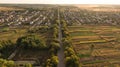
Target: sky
{"type": "Point", "coordinates": [62, 1]}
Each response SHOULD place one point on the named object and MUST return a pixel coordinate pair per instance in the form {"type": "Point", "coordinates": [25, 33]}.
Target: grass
{"type": "Point", "coordinates": [83, 55]}
{"type": "Point", "coordinates": [32, 54]}
{"type": "Point", "coordinates": [94, 41]}
{"type": "Point", "coordinates": [95, 61]}
{"type": "Point", "coordinates": [12, 35]}
{"type": "Point", "coordinates": [83, 27]}
{"type": "Point", "coordinates": [82, 33]}
{"type": "Point", "coordinates": [9, 8]}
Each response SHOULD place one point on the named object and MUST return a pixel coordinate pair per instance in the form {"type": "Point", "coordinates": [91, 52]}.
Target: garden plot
{"type": "Point", "coordinates": [106, 52]}
{"type": "Point", "coordinates": [97, 46]}
{"type": "Point", "coordinates": [82, 33]}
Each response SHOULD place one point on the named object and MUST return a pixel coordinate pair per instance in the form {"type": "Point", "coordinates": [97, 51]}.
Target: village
{"type": "Point", "coordinates": [59, 36]}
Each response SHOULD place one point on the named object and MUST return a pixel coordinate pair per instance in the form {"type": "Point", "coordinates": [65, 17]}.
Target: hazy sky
{"type": "Point", "coordinates": [63, 1]}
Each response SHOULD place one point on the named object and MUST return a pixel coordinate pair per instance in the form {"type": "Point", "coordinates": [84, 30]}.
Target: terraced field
{"type": "Point", "coordinates": [97, 46]}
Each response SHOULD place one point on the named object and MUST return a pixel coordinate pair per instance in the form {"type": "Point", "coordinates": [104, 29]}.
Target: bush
{"type": "Point", "coordinates": [6, 63]}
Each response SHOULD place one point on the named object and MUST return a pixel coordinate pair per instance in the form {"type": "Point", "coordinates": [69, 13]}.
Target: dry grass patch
{"type": "Point", "coordinates": [9, 8]}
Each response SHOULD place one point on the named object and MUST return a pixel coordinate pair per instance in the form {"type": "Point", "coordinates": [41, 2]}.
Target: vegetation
{"type": "Point", "coordinates": [88, 48]}
{"type": "Point", "coordinates": [42, 29]}
{"type": "Point", "coordinates": [54, 47]}
{"type": "Point", "coordinates": [5, 29]}
{"type": "Point", "coordinates": [90, 35]}
{"type": "Point", "coordinates": [6, 63]}
{"type": "Point", "coordinates": [6, 48]}
{"type": "Point", "coordinates": [28, 65]}
{"type": "Point", "coordinates": [71, 59]}
{"type": "Point", "coordinates": [52, 62]}
{"type": "Point", "coordinates": [31, 41]}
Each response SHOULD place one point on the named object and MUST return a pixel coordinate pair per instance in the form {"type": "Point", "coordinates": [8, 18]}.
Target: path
{"type": "Point", "coordinates": [13, 54]}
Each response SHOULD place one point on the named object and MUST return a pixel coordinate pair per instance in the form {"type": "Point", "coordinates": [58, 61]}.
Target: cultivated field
{"type": "Point", "coordinates": [59, 36]}
{"type": "Point", "coordinates": [9, 8]}
{"type": "Point", "coordinates": [96, 46]}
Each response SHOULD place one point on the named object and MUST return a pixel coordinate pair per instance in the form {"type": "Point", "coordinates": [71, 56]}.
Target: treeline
{"type": "Point", "coordinates": [40, 29]}
{"type": "Point", "coordinates": [6, 47]}
{"type": "Point", "coordinates": [31, 42]}
{"type": "Point", "coordinates": [71, 59]}
{"type": "Point", "coordinates": [9, 63]}
{"type": "Point", "coordinates": [54, 46]}
{"type": "Point", "coordinates": [25, 42]}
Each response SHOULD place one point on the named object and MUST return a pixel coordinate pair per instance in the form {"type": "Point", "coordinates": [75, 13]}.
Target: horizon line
{"type": "Point", "coordinates": [61, 3]}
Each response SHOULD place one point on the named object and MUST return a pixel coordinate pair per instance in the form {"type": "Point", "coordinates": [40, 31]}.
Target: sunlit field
{"type": "Point", "coordinates": [98, 49]}
{"type": "Point", "coordinates": [39, 35]}
{"type": "Point", "coordinates": [9, 8]}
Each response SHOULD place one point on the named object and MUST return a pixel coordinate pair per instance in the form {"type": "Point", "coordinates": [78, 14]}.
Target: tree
{"type": "Point", "coordinates": [69, 51]}
{"type": "Point", "coordinates": [5, 48]}
{"type": "Point", "coordinates": [66, 42]}
{"type": "Point", "coordinates": [54, 47]}
{"type": "Point", "coordinates": [31, 41]}
{"type": "Point", "coordinates": [28, 65]}
{"type": "Point", "coordinates": [54, 61]}
{"type": "Point", "coordinates": [6, 63]}
{"type": "Point", "coordinates": [48, 63]}
{"type": "Point", "coordinates": [72, 61]}
{"type": "Point", "coordinates": [10, 64]}
{"type": "Point", "coordinates": [65, 33]}
{"type": "Point", "coordinates": [55, 32]}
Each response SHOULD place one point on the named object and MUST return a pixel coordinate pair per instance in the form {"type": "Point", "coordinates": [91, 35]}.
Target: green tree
{"type": "Point", "coordinates": [54, 61]}
{"type": "Point", "coordinates": [55, 47]}
{"type": "Point", "coordinates": [72, 61]}
{"type": "Point", "coordinates": [28, 65]}
{"type": "Point", "coordinates": [6, 63]}
{"type": "Point", "coordinates": [10, 64]}
{"type": "Point", "coordinates": [31, 41]}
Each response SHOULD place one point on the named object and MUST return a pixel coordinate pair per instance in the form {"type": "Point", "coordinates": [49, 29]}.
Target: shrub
{"type": "Point", "coordinates": [6, 63]}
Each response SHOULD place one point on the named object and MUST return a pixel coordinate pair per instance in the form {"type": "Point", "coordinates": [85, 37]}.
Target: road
{"type": "Point", "coordinates": [61, 51]}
